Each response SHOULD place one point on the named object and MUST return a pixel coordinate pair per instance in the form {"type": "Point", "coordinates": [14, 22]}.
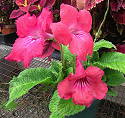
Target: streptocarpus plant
{"type": "Point", "coordinates": [82, 75]}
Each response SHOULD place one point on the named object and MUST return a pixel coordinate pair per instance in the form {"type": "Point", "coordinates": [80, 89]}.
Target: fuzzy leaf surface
{"type": "Point", "coordinates": [103, 44]}
{"type": "Point", "coordinates": [61, 107]}
{"type": "Point", "coordinates": [26, 80]}
{"type": "Point", "coordinates": [112, 60]}
{"type": "Point", "coordinates": [114, 78]}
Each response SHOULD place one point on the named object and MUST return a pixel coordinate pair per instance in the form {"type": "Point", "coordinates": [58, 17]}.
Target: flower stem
{"type": "Point", "coordinates": [100, 27]}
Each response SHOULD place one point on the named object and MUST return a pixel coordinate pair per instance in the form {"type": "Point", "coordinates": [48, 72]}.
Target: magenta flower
{"type": "Point", "coordinates": [73, 30]}
{"type": "Point", "coordinates": [84, 86]}
{"type": "Point", "coordinates": [33, 33]}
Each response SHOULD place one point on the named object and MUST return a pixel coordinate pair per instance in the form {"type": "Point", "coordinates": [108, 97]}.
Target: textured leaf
{"type": "Point", "coordinates": [95, 56]}
{"type": "Point", "coordinates": [54, 102]}
{"type": "Point", "coordinates": [56, 115]}
{"type": "Point", "coordinates": [112, 60]}
{"type": "Point", "coordinates": [69, 70]}
{"type": "Point", "coordinates": [26, 80]}
{"type": "Point", "coordinates": [67, 54]}
{"type": "Point", "coordinates": [103, 44]}
{"type": "Point", "coordinates": [56, 69]}
{"type": "Point", "coordinates": [114, 78]}
{"type": "Point", "coordinates": [56, 66]}
{"type": "Point", "coordinates": [62, 107]}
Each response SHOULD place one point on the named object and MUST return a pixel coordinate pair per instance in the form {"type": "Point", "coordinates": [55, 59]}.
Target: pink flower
{"type": "Point", "coordinates": [73, 30]}
{"type": "Point", "coordinates": [33, 33]}
{"type": "Point", "coordinates": [84, 86]}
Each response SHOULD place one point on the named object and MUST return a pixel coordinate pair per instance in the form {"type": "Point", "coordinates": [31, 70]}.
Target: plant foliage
{"type": "Point", "coordinates": [62, 108]}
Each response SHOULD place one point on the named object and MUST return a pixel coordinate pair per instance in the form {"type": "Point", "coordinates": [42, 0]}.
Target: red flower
{"type": "Point", "coordinates": [33, 38]}
{"type": "Point", "coordinates": [73, 30]}
{"type": "Point", "coordinates": [84, 86]}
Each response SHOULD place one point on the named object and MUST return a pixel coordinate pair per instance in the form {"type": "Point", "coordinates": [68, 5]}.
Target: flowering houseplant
{"type": "Point", "coordinates": [83, 74]}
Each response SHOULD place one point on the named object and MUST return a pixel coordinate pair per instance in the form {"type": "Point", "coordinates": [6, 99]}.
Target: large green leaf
{"type": "Point", "coordinates": [26, 80]}
{"type": "Point", "coordinates": [103, 44]}
{"type": "Point", "coordinates": [60, 107]}
{"type": "Point", "coordinates": [114, 78]}
{"type": "Point", "coordinates": [112, 60]}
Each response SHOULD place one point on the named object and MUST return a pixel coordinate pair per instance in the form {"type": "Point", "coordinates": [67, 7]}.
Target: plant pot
{"type": "Point", "coordinates": [7, 29]}
{"type": "Point", "coordinates": [8, 39]}
{"type": "Point", "coordinates": [88, 112]}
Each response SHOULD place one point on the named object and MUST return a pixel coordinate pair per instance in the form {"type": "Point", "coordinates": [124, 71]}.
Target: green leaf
{"type": "Point", "coordinates": [56, 115]}
{"type": "Point", "coordinates": [62, 107]}
{"type": "Point", "coordinates": [69, 70]}
{"type": "Point", "coordinates": [112, 60]}
{"type": "Point", "coordinates": [103, 44]}
{"type": "Point", "coordinates": [67, 54]}
{"type": "Point", "coordinates": [26, 80]}
{"type": "Point", "coordinates": [95, 56]}
{"type": "Point", "coordinates": [56, 66]}
{"type": "Point", "coordinates": [112, 93]}
{"type": "Point", "coordinates": [54, 102]}
{"type": "Point", "coordinates": [114, 78]}
{"type": "Point", "coordinates": [56, 69]}
{"type": "Point", "coordinates": [68, 108]}
{"type": "Point", "coordinates": [11, 106]}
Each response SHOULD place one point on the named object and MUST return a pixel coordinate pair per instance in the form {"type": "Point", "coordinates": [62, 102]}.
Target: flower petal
{"type": "Point", "coordinates": [79, 68]}
{"type": "Point", "coordinates": [55, 45]}
{"type": "Point", "coordinates": [25, 25]}
{"type": "Point", "coordinates": [65, 88]}
{"type": "Point", "coordinates": [94, 72]}
{"type": "Point", "coordinates": [82, 96]}
{"type": "Point", "coordinates": [24, 49]}
{"type": "Point", "coordinates": [61, 33]}
{"type": "Point", "coordinates": [100, 89]}
{"type": "Point", "coordinates": [85, 20]}
{"type": "Point", "coordinates": [81, 45]}
{"type": "Point", "coordinates": [44, 20]}
{"type": "Point", "coordinates": [68, 15]}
